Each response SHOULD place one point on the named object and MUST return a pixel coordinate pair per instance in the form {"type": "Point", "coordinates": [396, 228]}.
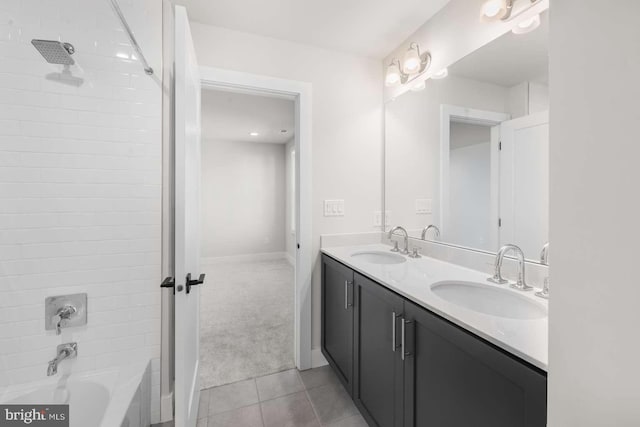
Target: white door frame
{"type": "Point", "coordinates": [300, 92]}
{"type": "Point", "coordinates": [471, 116]}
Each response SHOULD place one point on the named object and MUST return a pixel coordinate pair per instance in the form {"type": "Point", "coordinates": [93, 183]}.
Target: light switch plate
{"type": "Point", "coordinates": [334, 207]}
{"type": "Point", "coordinates": [377, 218]}
{"type": "Point", "coordinates": [424, 206]}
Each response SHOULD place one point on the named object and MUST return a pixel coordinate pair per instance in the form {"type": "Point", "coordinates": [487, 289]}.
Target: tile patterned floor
{"type": "Point", "coordinates": [312, 398]}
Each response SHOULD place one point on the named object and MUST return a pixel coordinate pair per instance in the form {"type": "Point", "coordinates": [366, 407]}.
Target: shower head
{"type": "Point", "coordinates": [55, 52]}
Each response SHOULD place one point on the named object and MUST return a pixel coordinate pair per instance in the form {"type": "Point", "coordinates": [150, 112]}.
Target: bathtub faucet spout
{"type": "Point", "coordinates": [64, 351]}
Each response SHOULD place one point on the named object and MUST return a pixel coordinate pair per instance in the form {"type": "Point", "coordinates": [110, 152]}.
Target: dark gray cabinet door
{"type": "Point", "coordinates": [337, 319]}
{"type": "Point", "coordinates": [377, 360]}
{"type": "Point", "coordinates": [454, 379]}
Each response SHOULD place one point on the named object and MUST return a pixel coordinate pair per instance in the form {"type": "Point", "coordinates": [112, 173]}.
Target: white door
{"type": "Point", "coordinates": [524, 183]}
{"type": "Point", "coordinates": [187, 223]}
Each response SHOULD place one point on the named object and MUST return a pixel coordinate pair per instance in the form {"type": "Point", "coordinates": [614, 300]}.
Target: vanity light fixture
{"type": "Point", "coordinates": [493, 10]}
{"type": "Point", "coordinates": [421, 85]}
{"type": "Point", "coordinates": [527, 25]}
{"type": "Point", "coordinates": [415, 62]}
{"type": "Point", "coordinates": [440, 74]}
{"type": "Point", "coordinates": [254, 134]}
{"type": "Point", "coordinates": [502, 10]}
{"type": "Point", "coordinates": [394, 75]}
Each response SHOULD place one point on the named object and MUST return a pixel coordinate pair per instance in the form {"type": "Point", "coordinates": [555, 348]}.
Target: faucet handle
{"type": "Point", "coordinates": [498, 279]}
{"type": "Point", "coordinates": [414, 253]}
{"type": "Point", "coordinates": [63, 313]}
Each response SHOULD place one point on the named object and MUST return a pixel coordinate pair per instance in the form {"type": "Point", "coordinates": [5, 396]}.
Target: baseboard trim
{"type": "Point", "coordinates": [317, 359]}
{"type": "Point", "coordinates": [269, 256]}
{"type": "Point", "coordinates": [291, 260]}
{"type": "Point", "coordinates": [166, 407]}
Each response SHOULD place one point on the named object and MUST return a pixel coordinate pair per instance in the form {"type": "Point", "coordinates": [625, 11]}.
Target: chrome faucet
{"type": "Point", "coordinates": [64, 313]}
{"type": "Point", "coordinates": [544, 260]}
{"type": "Point", "coordinates": [406, 239]}
{"type": "Point", "coordinates": [436, 231]}
{"type": "Point", "coordinates": [64, 351]}
{"type": "Point", "coordinates": [520, 284]}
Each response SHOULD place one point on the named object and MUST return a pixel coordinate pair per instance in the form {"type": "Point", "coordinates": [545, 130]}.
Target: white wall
{"type": "Point", "coordinates": [412, 144]}
{"type": "Point", "coordinates": [80, 187]}
{"type": "Point", "coordinates": [470, 186]}
{"type": "Point", "coordinates": [243, 198]}
{"type": "Point", "coordinates": [452, 34]}
{"type": "Point", "coordinates": [347, 122]}
{"type": "Point", "coordinates": [593, 313]}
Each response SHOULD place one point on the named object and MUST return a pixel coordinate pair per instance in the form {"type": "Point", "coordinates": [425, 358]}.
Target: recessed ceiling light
{"type": "Point", "coordinates": [254, 134]}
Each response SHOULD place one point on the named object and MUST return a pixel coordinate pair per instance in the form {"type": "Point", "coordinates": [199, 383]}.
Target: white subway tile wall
{"type": "Point", "coordinates": [80, 185]}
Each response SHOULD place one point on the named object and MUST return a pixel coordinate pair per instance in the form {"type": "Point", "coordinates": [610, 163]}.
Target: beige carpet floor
{"type": "Point", "coordinates": [246, 321]}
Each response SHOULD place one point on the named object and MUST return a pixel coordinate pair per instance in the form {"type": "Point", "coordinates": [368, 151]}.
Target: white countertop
{"type": "Point", "coordinates": [527, 339]}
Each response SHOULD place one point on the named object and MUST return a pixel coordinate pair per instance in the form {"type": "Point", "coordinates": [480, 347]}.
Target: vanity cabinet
{"type": "Point", "coordinates": [405, 366]}
{"type": "Point", "coordinates": [337, 319]}
{"type": "Point", "coordinates": [454, 379]}
{"type": "Point", "coordinates": [378, 366]}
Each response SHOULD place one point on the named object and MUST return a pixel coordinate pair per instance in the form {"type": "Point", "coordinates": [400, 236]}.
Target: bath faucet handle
{"type": "Point", "coordinates": [414, 253]}
{"type": "Point", "coordinates": [64, 313]}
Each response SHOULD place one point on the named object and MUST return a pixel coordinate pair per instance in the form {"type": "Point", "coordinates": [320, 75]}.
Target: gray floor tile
{"type": "Point", "coordinates": [332, 403]}
{"type": "Point", "coordinates": [203, 406]}
{"type": "Point", "coordinates": [280, 384]}
{"type": "Point", "coordinates": [293, 410]}
{"type": "Point", "coordinates": [354, 421]}
{"type": "Point", "coordinates": [232, 396]}
{"type": "Point", "coordinates": [317, 377]}
{"type": "Point", "coordinates": [249, 416]}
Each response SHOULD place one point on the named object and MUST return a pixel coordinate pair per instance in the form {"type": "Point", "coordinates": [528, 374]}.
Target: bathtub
{"type": "Point", "coordinates": [115, 397]}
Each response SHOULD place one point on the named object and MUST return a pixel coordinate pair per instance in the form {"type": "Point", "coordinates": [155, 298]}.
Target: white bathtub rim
{"type": "Point", "coordinates": [121, 392]}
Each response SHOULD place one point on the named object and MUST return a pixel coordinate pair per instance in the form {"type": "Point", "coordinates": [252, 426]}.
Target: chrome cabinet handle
{"type": "Point", "coordinates": [393, 331]}
{"type": "Point", "coordinates": [403, 339]}
{"type": "Point", "coordinates": [346, 295]}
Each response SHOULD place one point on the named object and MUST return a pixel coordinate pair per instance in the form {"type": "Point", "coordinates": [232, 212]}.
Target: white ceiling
{"type": "Point", "coordinates": [229, 116]}
{"type": "Point", "coordinates": [370, 28]}
{"type": "Point", "coordinates": [510, 59]}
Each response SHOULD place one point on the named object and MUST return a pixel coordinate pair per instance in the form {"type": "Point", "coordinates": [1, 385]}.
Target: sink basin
{"type": "Point", "coordinates": [489, 300]}
{"type": "Point", "coordinates": [379, 257]}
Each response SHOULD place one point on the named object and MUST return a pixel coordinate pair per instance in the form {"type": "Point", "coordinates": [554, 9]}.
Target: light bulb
{"type": "Point", "coordinates": [393, 74]}
{"type": "Point", "coordinates": [492, 8]}
{"type": "Point", "coordinates": [441, 74]}
{"type": "Point", "coordinates": [527, 25]}
{"type": "Point", "coordinates": [412, 61]}
{"type": "Point", "coordinates": [254, 134]}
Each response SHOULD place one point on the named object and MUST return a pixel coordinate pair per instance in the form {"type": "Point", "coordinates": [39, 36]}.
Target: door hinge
{"type": "Point", "coordinates": [499, 222]}
{"type": "Point", "coordinates": [500, 146]}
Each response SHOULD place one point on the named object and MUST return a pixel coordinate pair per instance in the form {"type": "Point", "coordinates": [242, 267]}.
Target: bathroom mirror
{"type": "Point", "coordinates": [469, 152]}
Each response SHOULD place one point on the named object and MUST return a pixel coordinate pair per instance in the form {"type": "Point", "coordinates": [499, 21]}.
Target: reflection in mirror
{"type": "Point", "coordinates": [468, 154]}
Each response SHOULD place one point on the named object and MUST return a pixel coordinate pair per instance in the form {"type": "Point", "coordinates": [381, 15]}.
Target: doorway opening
{"type": "Point", "coordinates": [248, 235]}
